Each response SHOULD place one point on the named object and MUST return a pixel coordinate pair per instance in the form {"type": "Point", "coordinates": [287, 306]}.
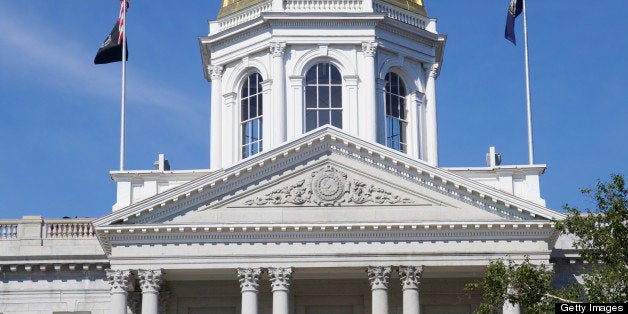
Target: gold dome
{"type": "Point", "coordinates": [232, 6]}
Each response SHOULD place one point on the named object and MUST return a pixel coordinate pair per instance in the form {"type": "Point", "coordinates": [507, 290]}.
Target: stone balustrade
{"type": "Point", "coordinates": [8, 229]}
{"type": "Point", "coordinates": [346, 6]}
{"type": "Point", "coordinates": [68, 228]}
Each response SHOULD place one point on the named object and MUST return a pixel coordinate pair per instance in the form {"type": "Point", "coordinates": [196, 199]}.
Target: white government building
{"type": "Point", "coordinates": [324, 193]}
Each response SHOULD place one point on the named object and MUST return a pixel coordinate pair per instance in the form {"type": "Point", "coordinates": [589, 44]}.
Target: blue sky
{"type": "Point", "coordinates": [60, 114]}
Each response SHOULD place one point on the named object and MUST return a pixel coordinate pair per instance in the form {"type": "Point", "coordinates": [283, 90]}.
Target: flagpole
{"type": "Point", "coordinates": [528, 102]}
{"type": "Point", "coordinates": [123, 109]}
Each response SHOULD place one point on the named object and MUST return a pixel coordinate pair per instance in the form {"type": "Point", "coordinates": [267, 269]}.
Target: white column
{"type": "Point", "coordinates": [380, 113]}
{"type": "Point", "coordinates": [351, 114]}
{"type": "Point", "coordinates": [268, 116]}
{"type": "Point", "coordinates": [295, 110]}
{"type": "Point", "coordinates": [430, 113]}
{"type": "Point", "coordinates": [230, 136]}
{"type": "Point", "coordinates": [415, 127]}
{"type": "Point", "coordinates": [511, 308]}
{"type": "Point", "coordinates": [379, 277]}
{"type": "Point", "coordinates": [215, 73]}
{"type": "Point", "coordinates": [280, 283]}
{"type": "Point", "coordinates": [249, 285]}
{"type": "Point", "coordinates": [119, 284]}
{"type": "Point", "coordinates": [279, 118]}
{"type": "Point", "coordinates": [150, 280]}
{"type": "Point", "coordinates": [410, 277]}
{"type": "Point", "coordinates": [368, 110]}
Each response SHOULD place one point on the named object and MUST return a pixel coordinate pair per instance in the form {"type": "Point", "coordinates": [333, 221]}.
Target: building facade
{"type": "Point", "coordinates": [324, 193]}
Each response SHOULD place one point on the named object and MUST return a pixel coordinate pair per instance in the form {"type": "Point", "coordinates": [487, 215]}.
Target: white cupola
{"type": "Point", "coordinates": [281, 68]}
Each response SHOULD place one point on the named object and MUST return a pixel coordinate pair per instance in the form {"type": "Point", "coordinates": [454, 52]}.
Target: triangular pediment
{"type": "Point", "coordinates": [329, 176]}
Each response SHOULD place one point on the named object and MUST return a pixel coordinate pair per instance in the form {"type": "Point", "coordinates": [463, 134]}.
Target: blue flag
{"type": "Point", "coordinates": [515, 8]}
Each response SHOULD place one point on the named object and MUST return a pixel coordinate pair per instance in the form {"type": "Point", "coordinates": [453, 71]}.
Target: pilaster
{"type": "Point", "coordinates": [277, 50]}
{"type": "Point", "coordinates": [368, 111]}
{"type": "Point", "coordinates": [432, 71]}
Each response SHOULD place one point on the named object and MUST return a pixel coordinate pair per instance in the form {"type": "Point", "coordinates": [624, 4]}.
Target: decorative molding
{"type": "Point", "coordinates": [369, 49]}
{"type": "Point", "coordinates": [215, 72]}
{"type": "Point", "coordinates": [249, 278]}
{"type": "Point", "coordinates": [379, 276]}
{"type": "Point", "coordinates": [150, 280]}
{"type": "Point", "coordinates": [328, 187]}
{"type": "Point", "coordinates": [433, 70]}
{"type": "Point", "coordinates": [410, 276]}
{"type": "Point", "coordinates": [280, 278]}
{"type": "Point", "coordinates": [118, 280]}
{"type": "Point", "coordinates": [277, 49]}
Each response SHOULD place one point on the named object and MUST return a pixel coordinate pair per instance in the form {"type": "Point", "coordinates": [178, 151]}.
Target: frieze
{"type": "Point", "coordinates": [328, 187]}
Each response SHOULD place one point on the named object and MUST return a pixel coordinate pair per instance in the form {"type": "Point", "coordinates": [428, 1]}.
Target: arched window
{"type": "Point", "coordinates": [323, 96]}
{"type": "Point", "coordinates": [251, 115]}
{"type": "Point", "coordinates": [395, 112]}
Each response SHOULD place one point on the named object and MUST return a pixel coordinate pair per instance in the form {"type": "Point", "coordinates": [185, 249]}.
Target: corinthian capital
{"type": "Point", "coordinates": [277, 49]}
{"type": "Point", "coordinates": [150, 279]}
{"type": "Point", "coordinates": [118, 280]}
{"type": "Point", "coordinates": [410, 276]}
{"type": "Point", "coordinates": [369, 49]}
{"type": "Point", "coordinates": [249, 278]}
{"type": "Point", "coordinates": [433, 70]}
{"type": "Point", "coordinates": [280, 278]}
{"type": "Point", "coordinates": [215, 71]}
{"type": "Point", "coordinates": [379, 276]}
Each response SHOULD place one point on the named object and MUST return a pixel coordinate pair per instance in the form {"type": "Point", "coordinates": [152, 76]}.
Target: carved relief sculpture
{"type": "Point", "coordinates": [328, 187]}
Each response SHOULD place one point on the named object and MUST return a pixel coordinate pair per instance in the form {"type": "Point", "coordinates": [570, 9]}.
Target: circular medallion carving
{"type": "Point", "coordinates": [328, 185]}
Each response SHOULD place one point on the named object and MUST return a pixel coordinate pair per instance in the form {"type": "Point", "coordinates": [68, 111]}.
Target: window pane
{"type": "Point", "coordinates": [323, 73]}
{"type": "Point", "coordinates": [335, 75]}
{"type": "Point", "coordinates": [323, 97]}
{"type": "Point", "coordinates": [245, 89]}
{"type": "Point", "coordinates": [323, 117]}
{"type": "Point", "coordinates": [310, 97]}
{"type": "Point", "coordinates": [310, 120]}
{"type": "Point", "coordinates": [259, 104]}
{"type": "Point", "coordinates": [336, 118]}
{"type": "Point", "coordinates": [245, 109]}
{"type": "Point", "coordinates": [394, 106]}
{"type": "Point", "coordinates": [310, 77]}
{"type": "Point", "coordinates": [253, 106]}
{"type": "Point", "coordinates": [336, 96]}
{"type": "Point", "coordinates": [402, 108]}
{"type": "Point", "coordinates": [255, 130]}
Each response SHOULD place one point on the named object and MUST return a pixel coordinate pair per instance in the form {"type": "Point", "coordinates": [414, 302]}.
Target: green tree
{"type": "Point", "coordinates": [602, 241]}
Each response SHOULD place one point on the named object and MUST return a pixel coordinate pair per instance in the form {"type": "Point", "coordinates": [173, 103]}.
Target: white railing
{"type": "Point", "coordinates": [68, 228]}
{"type": "Point", "coordinates": [244, 16]}
{"type": "Point", "coordinates": [323, 6]}
{"type": "Point", "coordinates": [8, 229]}
{"type": "Point", "coordinates": [401, 15]}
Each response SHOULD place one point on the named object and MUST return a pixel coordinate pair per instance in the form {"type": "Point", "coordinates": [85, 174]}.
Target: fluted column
{"type": "Point", "coordinates": [368, 111]}
{"type": "Point", "coordinates": [119, 284]}
{"type": "Point", "coordinates": [279, 136]}
{"type": "Point", "coordinates": [215, 73]}
{"type": "Point", "coordinates": [430, 114]}
{"type": "Point", "coordinates": [150, 281]}
{"type": "Point", "coordinates": [280, 283]}
{"type": "Point", "coordinates": [249, 284]}
{"type": "Point", "coordinates": [410, 277]}
{"type": "Point", "coordinates": [379, 277]}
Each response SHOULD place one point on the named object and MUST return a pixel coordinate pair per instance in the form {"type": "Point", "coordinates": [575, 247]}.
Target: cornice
{"type": "Point", "coordinates": [328, 233]}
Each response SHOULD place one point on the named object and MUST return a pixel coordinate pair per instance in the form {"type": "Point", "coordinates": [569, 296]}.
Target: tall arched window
{"type": "Point", "coordinates": [395, 112]}
{"type": "Point", "coordinates": [251, 115]}
{"type": "Point", "coordinates": [323, 96]}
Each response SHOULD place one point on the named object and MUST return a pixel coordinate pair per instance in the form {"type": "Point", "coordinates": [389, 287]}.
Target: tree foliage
{"type": "Point", "coordinates": [602, 241]}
